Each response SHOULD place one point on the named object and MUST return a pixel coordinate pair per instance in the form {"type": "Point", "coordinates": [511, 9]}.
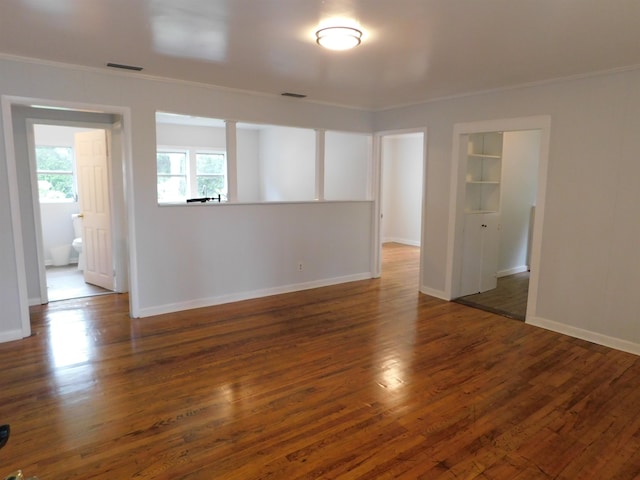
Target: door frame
{"type": "Point", "coordinates": [376, 246]}
{"type": "Point", "coordinates": [124, 209]}
{"type": "Point", "coordinates": [37, 212]}
{"type": "Point", "coordinates": [456, 201]}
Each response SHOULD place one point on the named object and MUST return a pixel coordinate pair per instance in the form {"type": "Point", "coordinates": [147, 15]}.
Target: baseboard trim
{"type": "Point", "coordinates": [35, 301]}
{"type": "Point", "coordinates": [594, 337]}
{"type": "Point", "coordinates": [238, 297]}
{"type": "Point", "coordinates": [10, 336]}
{"type": "Point", "coordinates": [72, 261]}
{"type": "Point", "coordinates": [403, 241]}
{"type": "Point", "coordinates": [512, 271]}
{"type": "Point", "coordinates": [432, 292]}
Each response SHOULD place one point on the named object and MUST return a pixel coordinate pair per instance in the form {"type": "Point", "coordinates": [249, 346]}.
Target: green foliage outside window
{"type": "Point", "coordinates": [210, 172]}
{"type": "Point", "coordinates": [180, 172]}
{"type": "Point", "coordinates": [55, 173]}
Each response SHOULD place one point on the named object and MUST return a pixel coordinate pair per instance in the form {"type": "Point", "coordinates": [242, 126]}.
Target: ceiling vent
{"type": "Point", "coordinates": [124, 67]}
{"type": "Point", "coordinates": [293, 95]}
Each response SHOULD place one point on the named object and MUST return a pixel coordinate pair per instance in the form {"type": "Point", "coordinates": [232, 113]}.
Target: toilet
{"type": "Point", "coordinates": [76, 218]}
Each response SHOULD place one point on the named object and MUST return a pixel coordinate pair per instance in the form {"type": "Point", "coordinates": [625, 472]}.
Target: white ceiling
{"type": "Point", "coordinates": [413, 50]}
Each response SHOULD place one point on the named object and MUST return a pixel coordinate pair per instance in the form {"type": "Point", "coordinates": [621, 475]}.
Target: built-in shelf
{"type": "Point", "coordinates": [483, 173]}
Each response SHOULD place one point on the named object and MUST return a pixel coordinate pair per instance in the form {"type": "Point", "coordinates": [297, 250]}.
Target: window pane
{"type": "Point", "coordinates": [58, 159]}
{"type": "Point", "coordinates": [172, 189]}
{"type": "Point", "coordinates": [55, 174]}
{"type": "Point", "coordinates": [55, 187]}
{"type": "Point", "coordinates": [210, 186]}
{"type": "Point", "coordinates": [172, 163]}
{"type": "Point", "coordinates": [210, 163]}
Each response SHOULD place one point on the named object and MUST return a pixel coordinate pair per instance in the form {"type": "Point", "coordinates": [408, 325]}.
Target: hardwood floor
{"type": "Point", "coordinates": [366, 380]}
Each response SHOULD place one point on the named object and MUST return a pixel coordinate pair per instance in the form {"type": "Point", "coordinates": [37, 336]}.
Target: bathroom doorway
{"type": "Point", "coordinates": [65, 197]}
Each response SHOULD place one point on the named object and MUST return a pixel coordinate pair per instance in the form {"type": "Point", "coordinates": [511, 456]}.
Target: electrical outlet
{"type": "Point", "coordinates": [300, 266]}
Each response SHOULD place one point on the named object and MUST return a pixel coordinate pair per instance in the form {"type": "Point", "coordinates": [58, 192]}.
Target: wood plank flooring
{"type": "Point", "coordinates": [365, 380]}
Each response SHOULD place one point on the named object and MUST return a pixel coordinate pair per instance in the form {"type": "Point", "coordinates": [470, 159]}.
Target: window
{"type": "Point", "coordinates": [55, 170]}
{"type": "Point", "coordinates": [172, 176]}
{"type": "Point", "coordinates": [211, 170]}
{"type": "Point", "coordinates": [191, 173]}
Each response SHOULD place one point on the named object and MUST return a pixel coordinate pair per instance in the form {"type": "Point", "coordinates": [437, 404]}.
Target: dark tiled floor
{"type": "Point", "coordinates": [68, 282]}
{"type": "Point", "coordinates": [509, 298]}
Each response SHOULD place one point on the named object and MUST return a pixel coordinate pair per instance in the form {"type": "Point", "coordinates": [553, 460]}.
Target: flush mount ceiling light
{"type": "Point", "coordinates": [338, 38]}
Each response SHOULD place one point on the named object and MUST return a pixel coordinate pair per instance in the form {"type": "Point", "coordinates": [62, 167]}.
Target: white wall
{"type": "Point", "coordinates": [347, 158]}
{"type": "Point", "coordinates": [589, 271]}
{"type": "Point", "coordinates": [287, 164]}
{"type": "Point", "coordinates": [172, 135]}
{"type": "Point", "coordinates": [220, 253]}
{"type": "Point", "coordinates": [520, 155]}
{"type": "Point", "coordinates": [248, 165]}
{"type": "Point", "coordinates": [57, 228]}
{"type": "Point", "coordinates": [10, 299]}
{"type": "Point", "coordinates": [402, 165]}
{"type": "Point", "coordinates": [163, 237]}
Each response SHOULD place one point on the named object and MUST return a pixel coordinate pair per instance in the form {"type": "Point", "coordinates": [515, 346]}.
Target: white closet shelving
{"type": "Point", "coordinates": [482, 213]}
{"type": "Point", "coordinates": [484, 171]}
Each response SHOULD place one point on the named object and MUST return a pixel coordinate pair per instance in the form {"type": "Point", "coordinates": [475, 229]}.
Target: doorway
{"type": "Point", "coordinates": [402, 166]}
{"type": "Point", "coordinates": [498, 184]}
{"type": "Point", "coordinates": [66, 198]}
{"type": "Point", "coordinates": [500, 195]}
{"type": "Point", "coordinates": [17, 112]}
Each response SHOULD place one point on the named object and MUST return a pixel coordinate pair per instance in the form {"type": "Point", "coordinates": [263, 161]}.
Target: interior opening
{"type": "Point", "coordinates": [402, 164]}
{"type": "Point", "coordinates": [62, 193]}
{"type": "Point", "coordinates": [500, 187]}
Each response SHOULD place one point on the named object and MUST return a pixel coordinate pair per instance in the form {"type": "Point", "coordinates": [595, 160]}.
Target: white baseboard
{"type": "Point", "coordinates": [576, 332]}
{"type": "Point", "coordinates": [238, 297]}
{"type": "Point", "coordinates": [72, 261]}
{"type": "Point", "coordinates": [432, 292]}
{"type": "Point", "coordinates": [512, 271]}
{"type": "Point", "coordinates": [403, 241]}
{"type": "Point", "coordinates": [10, 336]}
{"type": "Point", "coordinates": [35, 301]}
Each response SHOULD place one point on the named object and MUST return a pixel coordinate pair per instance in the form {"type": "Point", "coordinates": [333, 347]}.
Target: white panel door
{"type": "Point", "coordinates": [471, 255]}
{"type": "Point", "coordinates": [490, 251]}
{"type": "Point", "coordinates": [93, 187]}
{"type": "Point", "coordinates": [480, 253]}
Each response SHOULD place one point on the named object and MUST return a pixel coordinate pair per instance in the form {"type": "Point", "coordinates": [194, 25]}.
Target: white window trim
{"type": "Point", "coordinates": [192, 160]}
{"type": "Point", "coordinates": [191, 172]}
{"type": "Point", "coordinates": [73, 174]}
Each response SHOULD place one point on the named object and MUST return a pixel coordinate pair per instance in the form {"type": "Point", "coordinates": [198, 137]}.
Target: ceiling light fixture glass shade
{"type": "Point", "coordinates": [338, 38]}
